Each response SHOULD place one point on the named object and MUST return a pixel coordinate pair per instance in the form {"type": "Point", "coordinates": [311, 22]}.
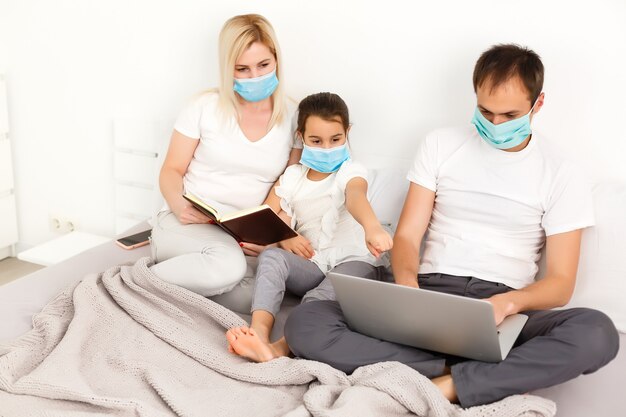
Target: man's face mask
{"type": "Point", "coordinates": [505, 135]}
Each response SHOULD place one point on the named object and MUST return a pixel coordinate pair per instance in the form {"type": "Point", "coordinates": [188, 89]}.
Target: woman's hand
{"type": "Point", "coordinates": [378, 240]}
{"type": "Point", "coordinates": [252, 249]}
{"type": "Point", "coordinates": [298, 245]}
{"type": "Point", "coordinates": [187, 214]}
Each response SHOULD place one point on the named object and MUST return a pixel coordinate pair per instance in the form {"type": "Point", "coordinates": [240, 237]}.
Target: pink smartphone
{"type": "Point", "coordinates": [135, 241]}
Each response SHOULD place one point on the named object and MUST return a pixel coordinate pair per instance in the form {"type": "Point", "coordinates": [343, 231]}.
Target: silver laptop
{"type": "Point", "coordinates": [426, 319]}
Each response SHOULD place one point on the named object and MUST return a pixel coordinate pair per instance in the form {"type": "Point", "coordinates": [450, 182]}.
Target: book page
{"type": "Point", "coordinates": [244, 212]}
{"type": "Point", "coordinates": [199, 204]}
{"type": "Point", "coordinates": [218, 211]}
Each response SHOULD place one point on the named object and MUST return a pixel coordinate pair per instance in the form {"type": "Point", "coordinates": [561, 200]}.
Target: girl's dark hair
{"type": "Point", "coordinates": [503, 62]}
{"type": "Point", "coordinates": [327, 106]}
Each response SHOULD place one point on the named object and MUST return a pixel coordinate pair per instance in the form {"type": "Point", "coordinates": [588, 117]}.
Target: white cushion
{"type": "Point", "coordinates": [386, 191]}
{"type": "Point", "coordinates": [601, 282]}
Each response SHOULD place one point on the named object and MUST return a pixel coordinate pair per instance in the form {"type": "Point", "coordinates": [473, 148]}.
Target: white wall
{"type": "Point", "coordinates": [73, 66]}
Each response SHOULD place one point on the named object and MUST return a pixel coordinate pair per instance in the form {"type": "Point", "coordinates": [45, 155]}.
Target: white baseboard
{"type": "Point", "coordinates": [6, 252]}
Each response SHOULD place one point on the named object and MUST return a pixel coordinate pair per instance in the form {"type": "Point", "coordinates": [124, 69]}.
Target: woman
{"type": "Point", "coordinates": [228, 147]}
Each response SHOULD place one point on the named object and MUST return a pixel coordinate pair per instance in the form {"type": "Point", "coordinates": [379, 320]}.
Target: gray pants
{"type": "Point", "coordinates": [279, 270]}
{"type": "Point", "coordinates": [554, 346]}
{"type": "Point", "coordinates": [204, 259]}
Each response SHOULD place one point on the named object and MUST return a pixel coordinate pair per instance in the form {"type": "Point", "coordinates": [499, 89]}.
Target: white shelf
{"type": "Point", "coordinates": [8, 213]}
{"type": "Point", "coordinates": [135, 170]}
{"type": "Point", "coordinates": [61, 248]}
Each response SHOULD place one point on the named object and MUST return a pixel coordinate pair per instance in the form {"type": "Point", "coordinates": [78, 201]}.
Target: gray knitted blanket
{"type": "Point", "coordinates": [125, 343]}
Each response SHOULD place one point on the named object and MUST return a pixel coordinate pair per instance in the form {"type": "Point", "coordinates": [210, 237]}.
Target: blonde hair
{"type": "Point", "coordinates": [236, 36]}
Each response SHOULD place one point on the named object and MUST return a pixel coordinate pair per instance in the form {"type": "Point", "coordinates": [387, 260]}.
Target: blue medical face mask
{"type": "Point", "coordinates": [506, 135]}
{"type": "Point", "coordinates": [325, 160]}
{"type": "Point", "coordinates": [258, 88]}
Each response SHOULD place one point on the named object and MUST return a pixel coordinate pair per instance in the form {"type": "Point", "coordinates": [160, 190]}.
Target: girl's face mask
{"type": "Point", "coordinates": [325, 160]}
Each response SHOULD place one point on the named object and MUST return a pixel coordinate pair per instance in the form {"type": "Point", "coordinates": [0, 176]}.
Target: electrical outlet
{"type": "Point", "coordinates": [67, 226]}
{"type": "Point", "coordinates": [54, 224]}
{"type": "Point", "coordinates": [60, 225]}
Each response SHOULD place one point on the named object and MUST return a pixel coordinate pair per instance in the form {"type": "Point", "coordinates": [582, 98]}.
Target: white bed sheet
{"type": "Point", "coordinates": [26, 296]}
{"type": "Point", "coordinates": [598, 394]}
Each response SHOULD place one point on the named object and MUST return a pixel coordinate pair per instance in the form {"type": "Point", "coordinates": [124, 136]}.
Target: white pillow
{"type": "Point", "coordinates": [386, 192]}
{"type": "Point", "coordinates": [601, 282]}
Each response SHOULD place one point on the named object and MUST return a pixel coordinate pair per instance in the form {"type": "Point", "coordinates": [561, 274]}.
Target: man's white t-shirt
{"type": "Point", "coordinates": [229, 171]}
{"type": "Point", "coordinates": [493, 209]}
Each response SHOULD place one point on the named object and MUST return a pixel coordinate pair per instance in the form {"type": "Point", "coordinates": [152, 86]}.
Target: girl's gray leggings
{"type": "Point", "coordinates": [279, 270]}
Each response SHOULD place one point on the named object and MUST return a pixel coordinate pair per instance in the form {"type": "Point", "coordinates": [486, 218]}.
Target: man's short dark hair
{"type": "Point", "coordinates": [502, 62]}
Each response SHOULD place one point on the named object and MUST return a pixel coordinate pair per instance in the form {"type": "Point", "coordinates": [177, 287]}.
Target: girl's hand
{"type": "Point", "coordinates": [298, 245]}
{"type": "Point", "coordinates": [378, 240]}
{"type": "Point", "coordinates": [252, 249]}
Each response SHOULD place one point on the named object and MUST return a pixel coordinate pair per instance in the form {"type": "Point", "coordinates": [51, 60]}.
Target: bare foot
{"type": "Point", "coordinates": [230, 347]}
{"type": "Point", "coordinates": [247, 343]}
{"type": "Point", "coordinates": [445, 383]}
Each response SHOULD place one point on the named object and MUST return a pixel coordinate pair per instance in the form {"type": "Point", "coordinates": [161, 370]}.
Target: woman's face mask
{"type": "Point", "coordinates": [258, 88]}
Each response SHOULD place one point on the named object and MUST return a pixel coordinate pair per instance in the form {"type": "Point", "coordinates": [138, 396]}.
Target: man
{"type": "Point", "coordinates": [490, 195]}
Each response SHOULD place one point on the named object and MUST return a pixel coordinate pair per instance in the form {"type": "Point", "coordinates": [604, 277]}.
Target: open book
{"type": "Point", "coordinates": [259, 225]}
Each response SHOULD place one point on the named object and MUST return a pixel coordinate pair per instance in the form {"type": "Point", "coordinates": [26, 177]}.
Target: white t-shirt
{"type": "Point", "coordinates": [318, 212]}
{"type": "Point", "coordinates": [228, 170]}
{"type": "Point", "coordinates": [493, 209]}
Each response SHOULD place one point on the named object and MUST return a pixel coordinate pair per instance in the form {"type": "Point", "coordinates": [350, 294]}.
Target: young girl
{"type": "Point", "coordinates": [324, 198]}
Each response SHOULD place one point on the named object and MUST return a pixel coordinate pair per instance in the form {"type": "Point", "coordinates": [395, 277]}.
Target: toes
{"type": "Point", "coordinates": [231, 336]}
{"type": "Point", "coordinates": [240, 331]}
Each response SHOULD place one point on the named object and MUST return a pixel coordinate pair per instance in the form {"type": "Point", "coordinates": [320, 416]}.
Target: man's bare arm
{"type": "Point", "coordinates": [412, 225]}
{"type": "Point", "coordinates": [555, 289]}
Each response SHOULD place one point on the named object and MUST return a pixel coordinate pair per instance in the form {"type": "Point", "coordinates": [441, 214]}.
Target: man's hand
{"type": "Point", "coordinates": [503, 306]}
{"type": "Point", "coordinates": [378, 240]}
{"type": "Point", "coordinates": [407, 282]}
{"type": "Point", "coordinates": [298, 245]}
